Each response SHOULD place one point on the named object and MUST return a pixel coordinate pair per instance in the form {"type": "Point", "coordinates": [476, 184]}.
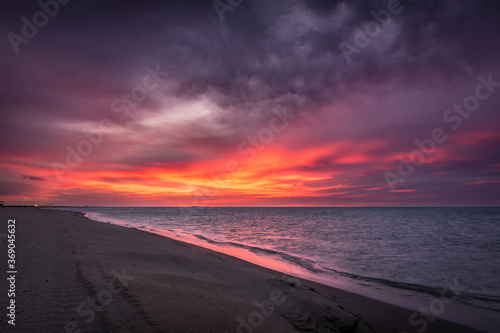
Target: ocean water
{"type": "Point", "coordinates": [407, 256]}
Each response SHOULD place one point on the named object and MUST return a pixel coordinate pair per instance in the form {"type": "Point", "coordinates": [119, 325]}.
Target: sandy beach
{"type": "Point", "coordinates": [78, 275]}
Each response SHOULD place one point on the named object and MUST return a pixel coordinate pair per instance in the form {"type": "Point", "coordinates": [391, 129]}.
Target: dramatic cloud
{"type": "Point", "coordinates": [280, 103]}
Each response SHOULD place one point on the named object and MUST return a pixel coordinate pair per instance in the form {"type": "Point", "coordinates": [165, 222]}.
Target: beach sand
{"type": "Point", "coordinates": [78, 275]}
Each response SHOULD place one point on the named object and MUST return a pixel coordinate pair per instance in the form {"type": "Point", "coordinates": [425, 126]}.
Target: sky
{"type": "Point", "coordinates": [250, 103]}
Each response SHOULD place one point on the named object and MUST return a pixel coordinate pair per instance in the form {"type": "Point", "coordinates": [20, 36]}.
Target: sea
{"type": "Point", "coordinates": [437, 261]}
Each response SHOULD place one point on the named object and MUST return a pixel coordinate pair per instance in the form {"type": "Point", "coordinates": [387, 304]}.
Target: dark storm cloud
{"type": "Point", "coordinates": [265, 55]}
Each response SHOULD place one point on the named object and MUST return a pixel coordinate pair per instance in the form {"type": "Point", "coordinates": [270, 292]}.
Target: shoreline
{"type": "Point", "coordinates": [412, 297]}
{"type": "Point", "coordinates": [173, 285]}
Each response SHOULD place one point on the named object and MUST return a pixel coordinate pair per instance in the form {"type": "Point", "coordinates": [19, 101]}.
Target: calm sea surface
{"type": "Point", "coordinates": [394, 254]}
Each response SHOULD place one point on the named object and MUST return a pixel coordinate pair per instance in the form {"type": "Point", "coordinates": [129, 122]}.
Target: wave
{"type": "Point", "coordinates": [475, 299]}
{"type": "Point", "coordinates": [308, 264]}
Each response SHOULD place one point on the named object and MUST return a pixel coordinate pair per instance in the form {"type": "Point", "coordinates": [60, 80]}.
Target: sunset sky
{"type": "Point", "coordinates": [266, 103]}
